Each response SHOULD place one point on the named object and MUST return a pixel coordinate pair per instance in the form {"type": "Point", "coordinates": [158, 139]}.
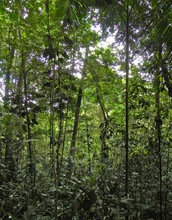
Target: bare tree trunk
{"type": "Point", "coordinates": [88, 147]}
{"type": "Point", "coordinates": [29, 136]}
{"type": "Point", "coordinates": [167, 76]}
{"type": "Point", "coordinates": [127, 108]}
{"type": "Point", "coordinates": [76, 120]}
{"type": "Point", "coordinates": [104, 130]}
{"type": "Point", "coordinates": [158, 127]}
{"type": "Point", "coordinates": [75, 127]}
{"type": "Point", "coordinates": [8, 71]}
{"type": "Point", "coordinates": [9, 157]}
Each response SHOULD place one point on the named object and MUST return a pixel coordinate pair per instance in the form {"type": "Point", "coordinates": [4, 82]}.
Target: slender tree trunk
{"type": "Point", "coordinates": [58, 159]}
{"type": "Point", "coordinates": [88, 147]}
{"type": "Point", "coordinates": [167, 76]}
{"type": "Point", "coordinates": [18, 94]}
{"type": "Point", "coordinates": [7, 88]}
{"type": "Point", "coordinates": [9, 157]}
{"type": "Point", "coordinates": [75, 127]}
{"type": "Point", "coordinates": [127, 108]}
{"type": "Point", "coordinates": [77, 111]}
{"type": "Point", "coordinates": [52, 138]}
{"type": "Point", "coordinates": [8, 72]}
{"type": "Point", "coordinates": [104, 129]}
{"type": "Point", "coordinates": [29, 136]}
{"type": "Point", "coordinates": [158, 127]}
{"type": "Point", "coordinates": [167, 185]}
{"type": "Point", "coordinates": [75, 130]}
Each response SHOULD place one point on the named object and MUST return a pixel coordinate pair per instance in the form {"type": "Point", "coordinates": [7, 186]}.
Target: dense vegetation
{"type": "Point", "coordinates": [86, 125]}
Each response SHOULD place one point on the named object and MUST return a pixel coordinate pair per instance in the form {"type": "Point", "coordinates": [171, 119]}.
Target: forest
{"type": "Point", "coordinates": [86, 110]}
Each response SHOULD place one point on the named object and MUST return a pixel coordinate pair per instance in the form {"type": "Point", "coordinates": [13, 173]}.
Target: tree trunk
{"type": "Point", "coordinates": [76, 121]}
{"type": "Point", "coordinates": [77, 111]}
{"type": "Point", "coordinates": [127, 108]}
{"type": "Point", "coordinates": [9, 157]}
{"type": "Point", "coordinates": [158, 122]}
{"type": "Point", "coordinates": [103, 132]}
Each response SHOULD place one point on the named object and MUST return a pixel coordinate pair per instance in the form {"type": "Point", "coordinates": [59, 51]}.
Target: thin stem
{"type": "Point", "coordinates": [126, 105]}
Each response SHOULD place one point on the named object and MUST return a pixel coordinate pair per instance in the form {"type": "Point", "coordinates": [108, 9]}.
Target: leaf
{"type": "Point", "coordinates": [31, 115]}
{"type": "Point", "coordinates": [146, 206]}
{"type": "Point", "coordinates": [126, 200]}
{"type": "Point", "coordinates": [89, 201]}
{"type": "Point", "coordinates": [30, 211]}
{"type": "Point", "coordinates": [30, 140]}
{"type": "Point", "coordinates": [62, 7]}
{"type": "Point", "coordinates": [76, 204]}
{"type": "Point", "coordinates": [13, 106]}
{"type": "Point", "coordinates": [154, 3]}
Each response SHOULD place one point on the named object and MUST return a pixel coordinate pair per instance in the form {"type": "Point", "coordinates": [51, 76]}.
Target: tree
{"type": "Point", "coordinates": [85, 126]}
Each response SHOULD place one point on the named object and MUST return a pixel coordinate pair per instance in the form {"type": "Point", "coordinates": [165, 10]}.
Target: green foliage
{"type": "Point", "coordinates": [48, 53]}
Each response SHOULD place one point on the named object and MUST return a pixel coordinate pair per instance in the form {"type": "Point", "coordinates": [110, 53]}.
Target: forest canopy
{"type": "Point", "coordinates": [86, 109]}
